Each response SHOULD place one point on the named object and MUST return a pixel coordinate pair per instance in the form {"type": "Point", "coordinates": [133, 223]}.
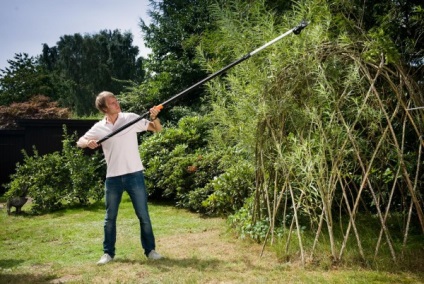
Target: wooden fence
{"type": "Point", "coordinates": [45, 134]}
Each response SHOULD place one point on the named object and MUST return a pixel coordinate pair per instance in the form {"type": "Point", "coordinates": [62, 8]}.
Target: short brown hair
{"type": "Point", "coordinates": [101, 100]}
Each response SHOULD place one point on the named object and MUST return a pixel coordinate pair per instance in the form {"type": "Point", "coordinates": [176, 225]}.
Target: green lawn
{"type": "Point", "coordinates": [64, 247]}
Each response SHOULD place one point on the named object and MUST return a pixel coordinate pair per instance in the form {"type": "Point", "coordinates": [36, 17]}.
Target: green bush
{"type": "Point", "coordinates": [42, 176]}
{"type": "Point", "coordinates": [169, 154]}
{"type": "Point", "coordinates": [58, 179]}
{"type": "Point", "coordinates": [204, 168]}
{"type": "Point", "coordinates": [85, 173]}
{"type": "Point", "coordinates": [230, 189]}
{"type": "Point", "coordinates": [180, 165]}
{"type": "Point", "coordinates": [242, 222]}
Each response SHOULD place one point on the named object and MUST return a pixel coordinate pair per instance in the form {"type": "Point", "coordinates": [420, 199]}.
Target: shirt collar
{"type": "Point", "coordinates": [104, 121]}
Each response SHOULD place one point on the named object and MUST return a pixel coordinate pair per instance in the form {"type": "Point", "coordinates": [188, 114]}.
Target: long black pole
{"type": "Point", "coordinates": [296, 30]}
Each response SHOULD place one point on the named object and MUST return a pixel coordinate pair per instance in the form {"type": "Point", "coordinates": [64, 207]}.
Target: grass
{"type": "Point", "coordinates": [63, 247]}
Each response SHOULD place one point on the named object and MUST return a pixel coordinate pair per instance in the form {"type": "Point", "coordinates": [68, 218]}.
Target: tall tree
{"type": "Point", "coordinates": [89, 64]}
{"type": "Point", "coordinates": [175, 32]}
{"type": "Point", "coordinates": [24, 78]}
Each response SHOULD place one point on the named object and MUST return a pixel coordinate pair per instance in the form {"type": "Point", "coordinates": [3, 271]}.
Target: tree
{"type": "Point", "coordinates": [86, 65]}
{"type": "Point", "coordinates": [24, 78]}
{"type": "Point", "coordinates": [400, 22]}
{"type": "Point", "coordinates": [173, 36]}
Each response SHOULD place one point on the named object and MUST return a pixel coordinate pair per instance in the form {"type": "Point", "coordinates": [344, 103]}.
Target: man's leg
{"type": "Point", "coordinates": [113, 196]}
{"type": "Point", "coordinates": [136, 188]}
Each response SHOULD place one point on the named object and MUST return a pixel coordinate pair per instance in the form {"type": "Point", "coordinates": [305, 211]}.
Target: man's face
{"type": "Point", "coordinates": [112, 106]}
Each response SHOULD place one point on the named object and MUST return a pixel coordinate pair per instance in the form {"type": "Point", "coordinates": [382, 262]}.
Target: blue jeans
{"type": "Point", "coordinates": [134, 184]}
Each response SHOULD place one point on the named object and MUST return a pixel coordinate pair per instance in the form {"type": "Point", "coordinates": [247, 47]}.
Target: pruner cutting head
{"type": "Point", "coordinates": [300, 27]}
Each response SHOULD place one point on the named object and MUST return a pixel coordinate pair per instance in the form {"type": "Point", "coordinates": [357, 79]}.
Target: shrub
{"type": "Point", "coordinates": [180, 165]}
{"type": "Point", "coordinates": [242, 222]}
{"type": "Point", "coordinates": [38, 106]}
{"type": "Point", "coordinates": [167, 155]}
{"type": "Point", "coordinates": [205, 167]}
{"type": "Point", "coordinates": [85, 173]}
{"type": "Point", "coordinates": [42, 176]}
{"type": "Point", "coordinates": [230, 189]}
{"type": "Point", "coordinates": [60, 178]}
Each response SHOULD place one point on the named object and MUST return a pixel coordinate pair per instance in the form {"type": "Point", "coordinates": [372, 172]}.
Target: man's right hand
{"type": "Point", "coordinates": [92, 144]}
{"type": "Point", "coordinates": [84, 143]}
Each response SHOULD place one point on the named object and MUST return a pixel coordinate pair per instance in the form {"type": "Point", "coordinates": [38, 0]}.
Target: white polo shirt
{"type": "Point", "coordinates": [121, 151]}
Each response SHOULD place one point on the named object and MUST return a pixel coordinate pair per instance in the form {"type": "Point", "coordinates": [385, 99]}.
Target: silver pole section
{"type": "Point", "coordinates": [271, 42]}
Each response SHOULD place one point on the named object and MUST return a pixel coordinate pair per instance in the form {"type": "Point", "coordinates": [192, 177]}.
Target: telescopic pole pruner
{"type": "Point", "coordinates": [296, 30]}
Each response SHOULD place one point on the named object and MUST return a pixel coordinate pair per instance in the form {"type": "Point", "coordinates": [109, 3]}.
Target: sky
{"type": "Point", "coordinates": [25, 25]}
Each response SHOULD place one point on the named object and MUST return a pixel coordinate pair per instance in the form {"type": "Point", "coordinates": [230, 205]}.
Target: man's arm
{"type": "Point", "coordinates": [154, 124]}
{"type": "Point", "coordinates": [84, 143]}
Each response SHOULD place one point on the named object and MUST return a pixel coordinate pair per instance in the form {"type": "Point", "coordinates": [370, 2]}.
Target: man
{"type": "Point", "coordinates": [124, 170]}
